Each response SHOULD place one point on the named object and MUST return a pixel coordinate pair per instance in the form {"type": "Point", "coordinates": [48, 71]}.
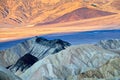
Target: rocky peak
{"type": "Point", "coordinates": [53, 43]}
{"type": "Point", "coordinates": [34, 49]}
{"type": "Point", "coordinates": [69, 62]}
{"type": "Point", "coordinates": [112, 45]}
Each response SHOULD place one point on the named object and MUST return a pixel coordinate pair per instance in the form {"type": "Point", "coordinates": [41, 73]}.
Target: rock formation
{"type": "Point", "coordinates": [23, 63]}
{"type": "Point", "coordinates": [69, 62]}
{"type": "Point", "coordinates": [79, 14]}
{"type": "Point", "coordinates": [108, 70]}
{"type": "Point", "coordinates": [30, 12]}
{"type": "Point", "coordinates": [33, 11]}
{"type": "Point", "coordinates": [33, 49]}
{"type": "Point", "coordinates": [7, 75]}
{"type": "Point", "coordinates": [78, 62]}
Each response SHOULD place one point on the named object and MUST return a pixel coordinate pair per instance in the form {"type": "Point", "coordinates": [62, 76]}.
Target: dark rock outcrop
{"type": "Point", "coordinates": [24, 63]}
{"type": "Point", "coordinates": [43, 47]}
{"type": "Point", "coordinates": [34, 49]}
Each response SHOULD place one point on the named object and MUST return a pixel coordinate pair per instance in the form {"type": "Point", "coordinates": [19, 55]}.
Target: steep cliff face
{"type": "Point", "coordinates": [38, 47]}
{"type": "Point", "coordinates": [69, 62]}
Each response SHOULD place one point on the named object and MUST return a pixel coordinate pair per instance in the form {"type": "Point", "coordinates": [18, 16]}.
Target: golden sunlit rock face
{"type": "Point", "coordinates": [79, 14]}
{"type": "Point", "coordinates": [50, 1]}
{"type": "Point", "coordinates": [17, 16]}
{"type": "Point", "coordinates": [34, 11]}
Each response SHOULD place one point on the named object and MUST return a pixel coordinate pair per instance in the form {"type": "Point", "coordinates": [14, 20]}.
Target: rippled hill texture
{"type": "Point", "coordinates": [58, 60]}
{"type": "Point", "coordinates": [34, 11]}
{"type": "Point", "coordinates": [79, 14]}
{"type": "Point", "coordinates": [38, 58]}
{"type": "Point", "coordinates": [61, 15]}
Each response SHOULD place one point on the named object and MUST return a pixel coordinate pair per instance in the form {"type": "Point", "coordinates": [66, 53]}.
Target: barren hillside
{"type": "Point", "coordinates": [79, 14]}
{"type": "Point", "coordinates": [34, 11]}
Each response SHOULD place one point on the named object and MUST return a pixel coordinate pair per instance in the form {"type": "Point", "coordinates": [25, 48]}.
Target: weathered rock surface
{"type": "Point", "coordinates": [69, 62]}
{"type": "Point", "coordinates": [79, 14]}
{"type": "Point", "coordinates": [34, 11]}
{"type": "Point", "coordinates": [38, 47]}
{"type": "Point", "coordinates": [112, 45]}
{"type": "Point", "coordinates": [7, 75]}
{"type": "Point", "coordinates": [80, 62]}
{"type": "Point", "coordinates": [23, 63]}
{"type": "Point", "coordinates": [8, 57]}
{"type": "Point", "coordinates": [108, 70]}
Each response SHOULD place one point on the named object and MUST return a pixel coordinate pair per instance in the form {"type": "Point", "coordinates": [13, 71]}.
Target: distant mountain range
{"type": "Point", "coordinates": [40, 11]}
{"type": "Point", "coordinates": [71, 16]}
